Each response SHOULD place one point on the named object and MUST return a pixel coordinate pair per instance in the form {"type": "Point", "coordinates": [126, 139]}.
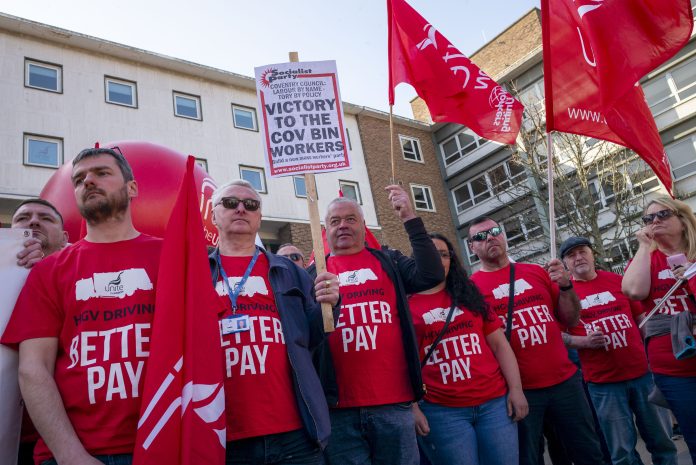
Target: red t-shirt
{"type": "Point", "coordinates": [660, 353]}
{"type": "Point", "coordinates": [367, 347]}
{"type": "Point", "coordinates": [604, 308]}
{"type": "Point", "coordinates": [259, 393]}
{"type": "Point", "coordinates": [99, 301]}
{"type": "Point", "coordinates": [462, 371]}
{"type": "Point", "coordinates": [536, 335]}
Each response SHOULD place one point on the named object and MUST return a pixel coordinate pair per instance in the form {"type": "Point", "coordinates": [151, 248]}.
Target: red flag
{"type": "Point", "coordinates": [182, 420]}
{"type": "Point", "coordinates": [453, 87]}
{"type": "Point", "coordinates": [594, 54]}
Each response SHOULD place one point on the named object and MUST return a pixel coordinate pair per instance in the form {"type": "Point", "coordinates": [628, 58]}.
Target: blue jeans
{"type": "Point", "coordinates": [680, 394]}
{"type": "Point", "coordinates": [616, 404]}
{"type": "Point", "coordinates": [379, 435]}
{"type": "Point", "coordinates": [566, 407]}
{"type": "Point", "coordinates": [291, 448]}
{"type": "Point", "coordinates": [120, 459]}
{"type": "Point", "coordinates": [483, 435]}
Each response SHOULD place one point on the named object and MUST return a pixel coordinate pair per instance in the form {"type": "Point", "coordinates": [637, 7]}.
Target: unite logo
{"type": "Point", "coordinates": [585, 6]}
{"type": "Point", "coordinates": [353, 278]}
{"type": "Point", "coordinates": [254, 285]}
{"type": "Point", "coordinates": [593, 300]}
{"type": "Point", "coordinates": [117, 284]}
{"type": "Point", "coordinates": [440, 314]}
{"type": "Point", "coordinates": [503, 291]}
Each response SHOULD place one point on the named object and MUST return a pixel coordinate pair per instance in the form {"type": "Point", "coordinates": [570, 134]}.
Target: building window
{"type": "Point", "coordinates": [671, 88]}
{"type": "Point", "coordinates": [456, 147]}
{"type": "Point", "coordinates": [682, 157]}
{"type": "Point", "coordinates": [300, 187]}
{"type": "Point", "coordinates": [187, 106]}
{"type": "Point", "coordinates": [244, 117]}
{"type": "Point", "coordinates": [43, 151]}
{"type": "Point", "coordinates": [350, 190]}
{"type": "Point", "coordinates": [203, 163]}
{"type": "Point", "coordinates": [410, 148]}
{"type": "Point", "coordinates": [350, 146]}
{"type": "Point", "coordinates": [422, 198]}
{"type": "Point", "coordinates": [493, 182]}
{"type": "Point", "coordinates": [120, 92]}
{"type": "Point", "coordinates": [44, 76]}
{"type": "Point", "coordinates": [255, 176]}
{"type": "Point", "coordinates": [522, 228]}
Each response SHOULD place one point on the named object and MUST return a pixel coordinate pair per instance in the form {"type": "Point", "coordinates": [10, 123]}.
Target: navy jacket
{"type": "Point", "coordinates": [409, 275]}
{"type": "Point", "coordinates": [301, 320]}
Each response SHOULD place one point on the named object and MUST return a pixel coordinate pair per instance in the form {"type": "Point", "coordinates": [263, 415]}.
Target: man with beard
{"type": "Point", "coordinates": [46, 224]}
{"type": "Point", "coordinates": [82, 324]}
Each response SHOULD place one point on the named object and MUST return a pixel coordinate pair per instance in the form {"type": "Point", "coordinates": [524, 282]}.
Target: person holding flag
{"type": "Point", "coordinates": [275, 408]}
{"type": "Point", "coordinates": [82, 323]}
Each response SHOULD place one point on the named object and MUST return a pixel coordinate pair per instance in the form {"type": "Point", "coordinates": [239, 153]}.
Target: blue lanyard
{"type": "Point", "coordinates": [233, 294]}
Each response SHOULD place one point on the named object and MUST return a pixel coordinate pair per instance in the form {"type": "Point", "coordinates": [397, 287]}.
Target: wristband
{"type": "Point", "coordinates": [566, 288]}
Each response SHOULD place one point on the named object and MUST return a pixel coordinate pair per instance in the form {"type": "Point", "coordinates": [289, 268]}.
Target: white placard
{"type": "Point", "coordinates": [301, 118]}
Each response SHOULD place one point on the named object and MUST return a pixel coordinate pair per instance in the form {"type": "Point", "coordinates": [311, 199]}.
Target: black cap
{"type": "Point", "coordinates": [573, 242]}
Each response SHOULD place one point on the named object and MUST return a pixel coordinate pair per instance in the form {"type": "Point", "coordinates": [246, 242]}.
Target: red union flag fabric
{"type": "Point", "coordinates": [595, 51]}
{"type": "Point", "coordinates": [454, 88]}
{"type": "Point", "coordinates": [182, 419]}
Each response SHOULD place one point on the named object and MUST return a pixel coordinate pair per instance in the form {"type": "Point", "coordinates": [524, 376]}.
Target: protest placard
{"type": "Point", "coordinates": [301, 118]}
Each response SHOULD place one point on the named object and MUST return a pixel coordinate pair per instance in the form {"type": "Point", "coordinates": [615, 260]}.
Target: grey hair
{"type": "Point", "coordinates": [217, 194]}
{"type": "Point", "coordinates": [343, 200]}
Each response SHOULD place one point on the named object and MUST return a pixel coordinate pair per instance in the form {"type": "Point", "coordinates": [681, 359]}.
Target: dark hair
{"type": "Point", "coordinates": [460, 288]}
{"type": "Point", "coordinates": [40, 202]}
{"type": "Point", "coordinates": [479, 220]}
{"type": "Point", "coordinates": [115, 152]}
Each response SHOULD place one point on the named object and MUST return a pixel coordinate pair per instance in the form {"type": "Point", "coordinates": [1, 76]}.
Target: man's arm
{"type": "Point", "coordinates": [517, 405]}
{"type": "Point", "coordinates": [568, 305]}
{"type": "Point", "coordinates": [37, 358]}
{"type": "Point", "coordinates": [594, 340]}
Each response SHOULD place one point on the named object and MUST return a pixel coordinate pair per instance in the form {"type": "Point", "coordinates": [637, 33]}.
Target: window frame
{"type": "Point", "coordinates": [254, 118]}
{"type": "Point", "coordinates": [430, 195]}
{"type": "Point", "coordinates": [132, 84]}
{"type": "Point", "coordinates": [44, 64]}
{"type": "Point", "coordinates": [294, 185]}
{"type": "Point", "coordinates": [674, 91]}
{"type": "Point", "coordinates": [193, 97]}
{"type": "Point", "coordinates": [477, 143]}
{"type": "Point", "coordinates": [692, 139]}
{"type": "Point", "coordinates": [415, 142]}
{"type": "Point", "coordinates": [203, 163]}
{"type": "Point", "coordinates": [344, 182]}
{"type": "Point", "coordinates": [258, 170]}
{"type": "Point", "coordinates": [42, 138]}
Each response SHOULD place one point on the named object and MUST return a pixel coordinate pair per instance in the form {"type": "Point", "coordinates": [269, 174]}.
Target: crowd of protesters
{"type": "Point", "coordinates": [426, 363]}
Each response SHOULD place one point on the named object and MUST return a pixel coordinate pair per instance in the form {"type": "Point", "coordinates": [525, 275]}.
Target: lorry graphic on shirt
{"type": "Point", "coordinates": [254, 285]}
{"type": "Point", "coordinates": [115, 284]}
{"type": "Point", "coordinates": [503, 291]}
{"type": "Point", "coordinates": [353, 278]}
{"type": "Point", "coordinates": [665, 274]}
{"type": "Point", "coordinates": [440, 314]}
{"type": "Point", "coordinates": [593, 300]}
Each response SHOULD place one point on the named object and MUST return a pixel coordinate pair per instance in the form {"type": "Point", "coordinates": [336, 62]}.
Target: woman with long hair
{"type": "Point", "coordinates": [473, 390]}
{"type": "Point", "coordinates": [666, 248]}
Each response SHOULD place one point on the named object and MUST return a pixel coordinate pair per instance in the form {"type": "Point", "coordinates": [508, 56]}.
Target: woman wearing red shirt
{"type": "Point", "coordinates": [670, 229]}
{"type": "Point", "coordinates": [473, 389]}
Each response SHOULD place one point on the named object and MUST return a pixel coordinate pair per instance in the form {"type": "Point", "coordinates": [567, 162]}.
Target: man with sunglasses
{"type": "Point", "coordinates": [82, 323]}
{"type": "Point", "coordinates": [293, 253]}
{"type": "Point", "coordinates": [543, 301]}
{"type": "Point", "coordinates": [370, 366]}
{"type": "Point", "coordinates": [276, 410]}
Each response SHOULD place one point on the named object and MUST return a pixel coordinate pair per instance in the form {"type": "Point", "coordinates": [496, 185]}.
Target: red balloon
{"type": "Point", "coordinates": [158, 171]}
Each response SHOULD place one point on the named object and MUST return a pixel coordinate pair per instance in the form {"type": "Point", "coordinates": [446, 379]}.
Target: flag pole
{"type": "Point", "coordinates": [315, 225]}
{"type": "Point", "coordinates": [549, 174]}
{"type": "Point", "coordinates": [391, 143]}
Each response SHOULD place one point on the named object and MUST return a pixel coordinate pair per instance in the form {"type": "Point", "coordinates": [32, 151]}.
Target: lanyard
{"type": "Point", "coordinates": [233, 294]}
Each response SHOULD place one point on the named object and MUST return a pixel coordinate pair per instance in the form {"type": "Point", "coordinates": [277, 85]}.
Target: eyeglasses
{"type": "Point", "coordinates": [482, 235]}
{"type": "Point", "coordinates": [295, 257]}
{"type": "Point", "coordinates": [444, 254]}
{"type": "Point", "coordinates": [662, 214]}
{"type": "Point", "coordinates": [250, 205]}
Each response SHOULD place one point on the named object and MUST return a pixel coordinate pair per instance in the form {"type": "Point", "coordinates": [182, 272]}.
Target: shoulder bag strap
{"type": "Point", "coordinates": [439, 336]}
{"type": "Point", "coordinates": [511, 302]}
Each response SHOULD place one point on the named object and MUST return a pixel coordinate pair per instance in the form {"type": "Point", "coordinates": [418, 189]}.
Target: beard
{"type": "Point", "coordinates": [106, 207]}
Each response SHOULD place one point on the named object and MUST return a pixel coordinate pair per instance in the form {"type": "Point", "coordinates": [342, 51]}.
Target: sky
{"type": "Point", "coordinates": [238, 35]}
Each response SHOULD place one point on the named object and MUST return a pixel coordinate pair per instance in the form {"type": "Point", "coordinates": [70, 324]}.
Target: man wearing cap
{"type": "Point", "coordinates": [613, 360]}
{"type": "Point", "coordinates": [541, 299]}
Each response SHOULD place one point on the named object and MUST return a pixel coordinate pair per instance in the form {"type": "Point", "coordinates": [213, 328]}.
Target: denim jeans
{"type": "Point", "coordinates": [120, 459]}
{"type": "Point", "coordinates": [291, 448]}
{"type": "Point", "coordinates": [565, 405]}
{"type": "Point", "coordinates": [379, 435]}
{"type": "Point", "coordinates": [616, 404]}
{"type": "Point", "coordinates": [680, 394]}
{"type": "Point", "coordinates": [483, 435]}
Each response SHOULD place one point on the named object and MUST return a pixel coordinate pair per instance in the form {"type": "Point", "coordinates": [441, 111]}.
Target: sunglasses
{"type": "Point", "coordinates": [100, 150]}
{"type": "Point", "coordinates": [295, 257]}
{"type": "Point", "coordinates": [482, 235]}
{"type": "Point", "coordinates": [250, 205]}
{"type": "Point", "coordinates": [662, 214]}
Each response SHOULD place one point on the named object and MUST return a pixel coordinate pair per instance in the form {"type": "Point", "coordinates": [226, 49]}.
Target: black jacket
{"type": "Point", "coordinates": [409, 275]}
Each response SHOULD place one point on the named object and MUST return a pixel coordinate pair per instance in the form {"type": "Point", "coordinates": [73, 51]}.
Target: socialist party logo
{"type": "Point", "coordinates": [254, 285]}
{"type": "Point", "coordinates": [353, 278]}
{"type": "Point", "coordinates": [117, 284]}
{"type": "Point", "coordinates": [440, 314]}
{"type": "Point", "coordinates": [593, 300]}
{"type": "Point", "coordinates": [503, 290]}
